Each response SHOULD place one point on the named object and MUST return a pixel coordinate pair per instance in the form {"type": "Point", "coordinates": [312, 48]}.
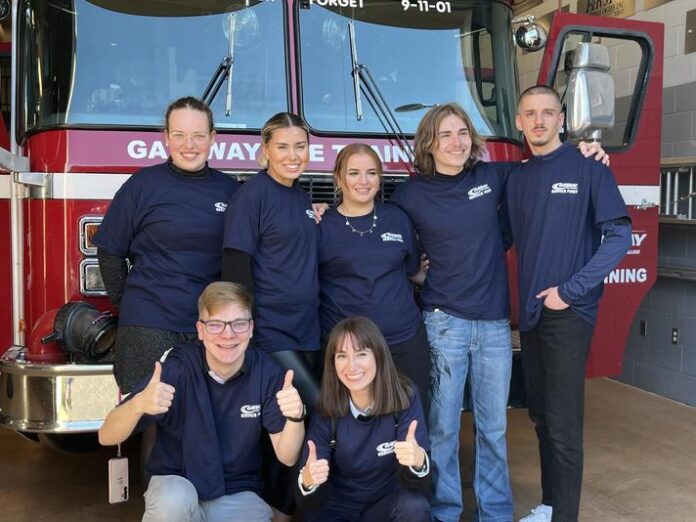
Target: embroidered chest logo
{"type": "Point", "coordinates": [390, 236]}
{"type": "Point", "coordinates": [310, 213]}
{"type": "Point", "coordinates": [250, 411]}
{"type": "Point", "coordinates": [479, 191]}
{"type": "Point", "coordinates": [564, 188]}
{"type": "Point", "coordinates": [220, 206]}
{"type": "Point", "coordinates": [386, 448]}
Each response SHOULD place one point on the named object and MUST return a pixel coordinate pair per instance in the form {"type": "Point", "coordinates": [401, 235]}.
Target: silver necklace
{"type": "Point", "coordinates": [363, 232]}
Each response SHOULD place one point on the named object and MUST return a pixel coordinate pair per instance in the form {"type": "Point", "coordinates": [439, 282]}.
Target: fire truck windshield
{"type": "Point", "coordinates": [418, 52]}
{"type": "Point", "coordinates": [121, 62]}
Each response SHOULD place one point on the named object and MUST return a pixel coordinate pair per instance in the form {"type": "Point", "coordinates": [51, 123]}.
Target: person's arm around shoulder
{"type": "Point", "coordinates": [155, 399]}
{"type": "Point", "coordinates": [288, 442]}
{"type": "Point", "coordinates": [594, 148]}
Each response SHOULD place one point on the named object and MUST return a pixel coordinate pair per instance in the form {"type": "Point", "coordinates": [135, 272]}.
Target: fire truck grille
{"type": "Point", "coordinates": [321, 189]}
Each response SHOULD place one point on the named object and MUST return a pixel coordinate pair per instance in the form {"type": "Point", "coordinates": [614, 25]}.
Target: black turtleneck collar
{"type": "Point", "coordinates": [446, 177]}
{"type": "Point", "coordinates": [201, 173]}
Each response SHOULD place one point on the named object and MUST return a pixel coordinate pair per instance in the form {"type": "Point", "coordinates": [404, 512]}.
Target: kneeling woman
{"type": "Point", "coordinates": [366, 453]}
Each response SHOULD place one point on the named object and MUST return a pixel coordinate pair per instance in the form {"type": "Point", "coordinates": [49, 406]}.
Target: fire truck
{"type": "Point", "coordinates": [90, 80]}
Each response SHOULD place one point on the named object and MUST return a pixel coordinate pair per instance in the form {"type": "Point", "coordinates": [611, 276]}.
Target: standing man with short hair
{"type": "Point", "coordinates": [571, 228]}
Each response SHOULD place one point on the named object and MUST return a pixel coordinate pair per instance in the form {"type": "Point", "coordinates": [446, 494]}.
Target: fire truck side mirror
{"type": "Point", "coordinates": [590, 93]}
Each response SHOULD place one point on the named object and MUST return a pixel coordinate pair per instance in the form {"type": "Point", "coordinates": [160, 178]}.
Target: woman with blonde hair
{"type": "Point", "coordinates": [270, 247]}
{"type": "Point", "coordinates": [367, 253]}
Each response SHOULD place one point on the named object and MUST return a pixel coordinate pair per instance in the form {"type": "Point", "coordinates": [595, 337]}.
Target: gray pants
{"type": "Point", "coordinates": [171, 498]}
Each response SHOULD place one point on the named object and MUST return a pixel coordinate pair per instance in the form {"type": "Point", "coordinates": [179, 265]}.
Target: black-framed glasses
{"type": "Point", "coordinates": [238, 326]}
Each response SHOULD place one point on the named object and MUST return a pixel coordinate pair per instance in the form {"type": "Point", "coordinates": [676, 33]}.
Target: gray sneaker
{"type": "Point", "coordinates": [541, 513]}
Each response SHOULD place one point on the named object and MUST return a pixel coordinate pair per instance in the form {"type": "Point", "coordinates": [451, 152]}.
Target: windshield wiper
{"type": "Point", "coordinates": [363, 82]}
{"type": "Point", "coordinates": [223, 72]}
{"type": "Point", "coordinates": [414, 107]}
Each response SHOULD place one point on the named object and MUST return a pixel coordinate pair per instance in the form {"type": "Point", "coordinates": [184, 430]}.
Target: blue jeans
{"type": "Point", "coordinates": [171, 498]}
{"type": "Point", "coordinates": [481, 351]}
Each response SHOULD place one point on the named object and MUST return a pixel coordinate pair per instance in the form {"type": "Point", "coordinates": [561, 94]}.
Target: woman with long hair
{"type": "Point", "coordinates": [270, 247]}
{"type": "Point", "coordinates": [367, 253]}
{"type": "Point", "coordinates": [366, 454]}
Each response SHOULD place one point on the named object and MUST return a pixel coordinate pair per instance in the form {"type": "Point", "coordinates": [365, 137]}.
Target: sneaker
{"type": "Point", "coordinates": [541, 513]}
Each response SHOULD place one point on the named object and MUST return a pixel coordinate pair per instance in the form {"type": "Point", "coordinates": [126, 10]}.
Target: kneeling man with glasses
{"type": "Point", "coordinates": [210, 401]}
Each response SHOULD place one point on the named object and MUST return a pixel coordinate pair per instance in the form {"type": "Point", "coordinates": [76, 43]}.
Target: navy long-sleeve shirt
{"type": "Point", "coordinates": [571, 228]}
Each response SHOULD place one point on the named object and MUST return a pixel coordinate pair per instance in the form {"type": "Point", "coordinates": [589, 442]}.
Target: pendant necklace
{"type": "Point", "coordinates": [363, 232]}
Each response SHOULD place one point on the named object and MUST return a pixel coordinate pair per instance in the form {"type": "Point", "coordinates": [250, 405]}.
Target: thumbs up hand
{"type": "Point", "coordinates": [157, 396]}
{"type": "Point", "coordinates": [289, 400]}
{"type": "Point", "coordinates": [315, 471]}
{"type": "Point", "coordinates": [408, 452]}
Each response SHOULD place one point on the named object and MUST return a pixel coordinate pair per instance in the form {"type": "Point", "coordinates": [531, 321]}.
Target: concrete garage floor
{"type": "Point", "coordinates": [639, 466]}
{"type": "Point", "coordinates": [640, 457]}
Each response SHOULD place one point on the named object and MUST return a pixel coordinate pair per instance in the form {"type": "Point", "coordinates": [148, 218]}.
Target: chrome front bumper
{"type": "Point", "coordinates": [54, 398]}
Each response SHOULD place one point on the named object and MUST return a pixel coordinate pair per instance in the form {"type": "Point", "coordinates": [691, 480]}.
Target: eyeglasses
{"type": "Point", "coordinates": [238, 326]}
{"type": "Point", "coordinates": [199, 138]}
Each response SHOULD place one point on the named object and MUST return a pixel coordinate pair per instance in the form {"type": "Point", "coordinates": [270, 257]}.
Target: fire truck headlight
{"type": "Point", "coordinates": [88, 227]}
{"type": "Point", "coordinates": [91, 283]}
{"type": "Point", "coordinates": [84, 331]}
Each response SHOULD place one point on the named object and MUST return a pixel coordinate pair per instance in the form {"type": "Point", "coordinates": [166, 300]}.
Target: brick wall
{"type": "Point", "coordinates": [652, 361]}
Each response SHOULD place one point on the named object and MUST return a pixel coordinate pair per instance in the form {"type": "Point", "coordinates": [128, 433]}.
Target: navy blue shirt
{"type": "Point", "coordinates": [368, 275]}
{"type": "Point", "coordinates": [363, 466]}
{"type": "Point", "coordinates": [275, 225]}
{"type": "Point", "coordinates": [557, 204]}
{"type": "Point", "coordinates": [169, 225]}
{"type": "Point", "coordinates": [457, 222]}
{"type": "Point", "coordinates": [209, 423]}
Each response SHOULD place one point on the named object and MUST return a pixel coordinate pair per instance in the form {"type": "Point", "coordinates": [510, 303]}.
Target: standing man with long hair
{"type": "Point", "coordinates": [453, 203]}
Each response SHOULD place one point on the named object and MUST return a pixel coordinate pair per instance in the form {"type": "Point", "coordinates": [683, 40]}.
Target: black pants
{"type": "Point", "coordinates": [403, 505]}
{"type": "Point", "coordinates": [412, 358]}
{"type": "Point", "coordinates": [554, 357]}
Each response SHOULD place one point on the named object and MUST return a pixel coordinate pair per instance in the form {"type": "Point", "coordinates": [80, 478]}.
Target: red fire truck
{"type": "Point", "coordinates": [90, 80]}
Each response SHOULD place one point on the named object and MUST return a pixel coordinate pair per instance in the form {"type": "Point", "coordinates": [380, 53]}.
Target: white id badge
{"type": "Point", "coordinates": [118, 480]}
